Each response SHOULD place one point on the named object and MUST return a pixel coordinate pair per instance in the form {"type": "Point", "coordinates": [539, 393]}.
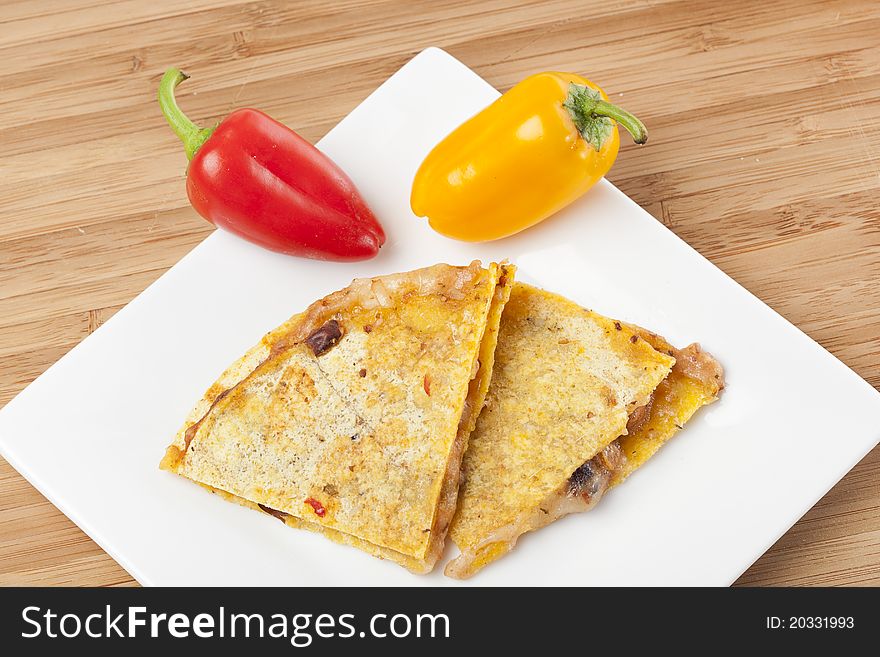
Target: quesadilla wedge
{"type": "Point", "coordinates": [577, 402]}
{"type": "Point", "coordinates": [350, 419]}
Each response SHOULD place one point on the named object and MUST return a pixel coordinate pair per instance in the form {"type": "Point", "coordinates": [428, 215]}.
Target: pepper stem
{"type": "Point", "coordinates": [190, 134]}
{"type": "Point", "coordinates": [592, 115]}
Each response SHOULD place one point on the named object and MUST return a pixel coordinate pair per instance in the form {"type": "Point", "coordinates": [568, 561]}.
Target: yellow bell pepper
{"type": "Point", "coordinates": [526, 156]}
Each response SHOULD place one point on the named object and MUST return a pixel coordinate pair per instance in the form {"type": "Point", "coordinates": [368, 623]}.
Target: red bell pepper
{"type": "Point", "coordinates": [259, 179]}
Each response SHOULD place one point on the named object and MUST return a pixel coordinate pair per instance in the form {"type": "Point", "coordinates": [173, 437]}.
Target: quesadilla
{"type": "Point", "coordinates": [351, 418]}
{"type": "Point", "coordinates": [577, 402]}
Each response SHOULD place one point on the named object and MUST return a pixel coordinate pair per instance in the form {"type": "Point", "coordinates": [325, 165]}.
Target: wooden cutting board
{"type": "Point", "coordinates": [764, 156]}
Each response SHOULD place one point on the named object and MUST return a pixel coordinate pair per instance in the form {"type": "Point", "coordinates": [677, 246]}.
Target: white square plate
{"type": "Point", "coordinates": [89, 432]}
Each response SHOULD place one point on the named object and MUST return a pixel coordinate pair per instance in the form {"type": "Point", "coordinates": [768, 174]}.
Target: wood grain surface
{"type": "Point", "coordinates": [764, 156]}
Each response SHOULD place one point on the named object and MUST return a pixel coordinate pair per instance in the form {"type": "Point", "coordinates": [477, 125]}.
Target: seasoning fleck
{"type": "Point", "coordinates": [317, 507]}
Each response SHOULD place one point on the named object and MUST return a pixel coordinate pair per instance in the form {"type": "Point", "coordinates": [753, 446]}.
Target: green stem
{"type": "Point", "coordinates": [190, 134]}
{"type": "Point", "coordinates": [629, 121]}
{"type": "Point", "coordinates": [593, 116]}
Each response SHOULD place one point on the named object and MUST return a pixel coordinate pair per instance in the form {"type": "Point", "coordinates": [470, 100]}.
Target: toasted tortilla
{"type": "Point", "coordinates": [564, 385]}
{"type": "Point", "coordinates": [696, 380]}
{"type": "Point", "coordinates": [350, 419]}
